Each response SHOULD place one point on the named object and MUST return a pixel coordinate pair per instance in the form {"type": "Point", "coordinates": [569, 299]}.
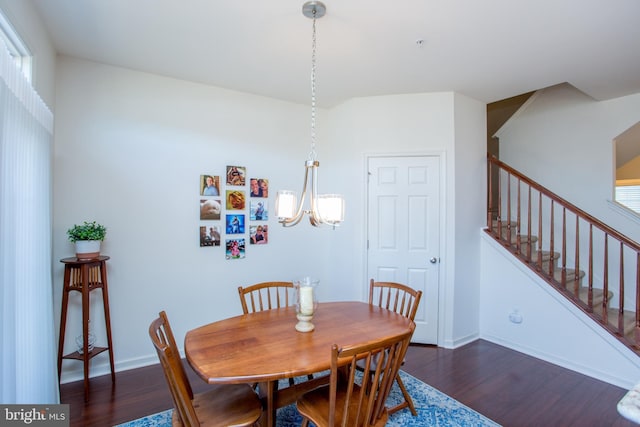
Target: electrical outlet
{"type": "Point", "coordinates": [515, 317]}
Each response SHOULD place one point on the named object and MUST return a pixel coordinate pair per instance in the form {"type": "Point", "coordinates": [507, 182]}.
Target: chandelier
{"type": "Point", "coordinates": [324, 209]}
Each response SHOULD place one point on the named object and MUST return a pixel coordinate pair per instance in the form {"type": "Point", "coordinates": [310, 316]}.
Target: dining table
{"type": "Point", "coordinates": [264, 347]}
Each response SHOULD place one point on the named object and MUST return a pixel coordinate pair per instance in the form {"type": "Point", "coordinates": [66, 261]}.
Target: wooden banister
{"type": "Point", "coordinates": [608, 272]}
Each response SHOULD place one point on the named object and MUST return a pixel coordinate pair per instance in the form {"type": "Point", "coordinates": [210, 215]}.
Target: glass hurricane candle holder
{"type": "Point", "coordinates": [91, 338]}
{"type": "Point", "coordinates": [306, 303]}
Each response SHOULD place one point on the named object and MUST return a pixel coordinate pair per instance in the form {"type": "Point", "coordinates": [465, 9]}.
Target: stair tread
{"type": "Point", "coordinates": [504, 232]}
{"type": "Point", "coordinates": [512, 224]}
{"type": "Point", "coordinates": [524, 239]}
{"type": "Point", "coordinates": [546, 255]}
{"type": "Point", "coordinates": [569, 275]}
{"type": "Point", "coordinates": [583, 293]}
{"type": "Point", "coordinates": [628, 320]}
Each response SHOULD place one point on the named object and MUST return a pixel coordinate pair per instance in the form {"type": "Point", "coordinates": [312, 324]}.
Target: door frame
{"type": "Point", "coordinates": [442, 297]}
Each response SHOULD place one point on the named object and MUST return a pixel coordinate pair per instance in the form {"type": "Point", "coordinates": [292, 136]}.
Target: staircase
{"type": "Point", "coordinates": [594, 266]}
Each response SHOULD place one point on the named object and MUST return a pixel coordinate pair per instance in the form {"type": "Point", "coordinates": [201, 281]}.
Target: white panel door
{"type": "Point", "coordinates": [403, 231]}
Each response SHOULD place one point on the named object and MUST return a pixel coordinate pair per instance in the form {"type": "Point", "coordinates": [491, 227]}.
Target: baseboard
{"type": "Point", "coordinates": [625, 383]}
{"type": "Point", "coordinates": [71, 373]}
{"type": "Point", "coordinates": [459, 342]}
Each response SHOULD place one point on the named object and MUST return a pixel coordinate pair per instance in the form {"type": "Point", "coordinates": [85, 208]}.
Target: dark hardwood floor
{"type": "Point", "coordinates": [509, 387]}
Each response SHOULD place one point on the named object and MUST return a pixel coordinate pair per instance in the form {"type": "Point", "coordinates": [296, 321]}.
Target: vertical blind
{"type": "Point", "coordinates": [28, 367]}
{"type": "Point", "coordinates": [629, 195]}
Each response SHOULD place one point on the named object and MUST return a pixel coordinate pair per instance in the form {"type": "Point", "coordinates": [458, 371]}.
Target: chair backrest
{"type": "Point", "coordinates": [181, 392]}
{"type": "Point", "coordinates": [364, 401]}
{"type": "Point", "coordinates": [265, 296]}
{"type": "Point", "coordinates": [396, 297]}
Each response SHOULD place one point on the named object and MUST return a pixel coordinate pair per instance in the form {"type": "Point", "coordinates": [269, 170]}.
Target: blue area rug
{"type": "Point", "coordinates": [434, 409]}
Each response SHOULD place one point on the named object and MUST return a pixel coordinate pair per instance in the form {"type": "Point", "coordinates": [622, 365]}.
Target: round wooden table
{"type": "Point", "coordinates": [264, 347]}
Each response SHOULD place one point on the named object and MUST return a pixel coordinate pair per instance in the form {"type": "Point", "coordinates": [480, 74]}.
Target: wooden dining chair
{"type": "Point", "coordinates": [223, 405]}
{"type": "Point", "coordinates": [265, 296]}
{"type": "Point", "coordinates": [403, 300]}
{"type": "Point", "coordinates": [347, 401]}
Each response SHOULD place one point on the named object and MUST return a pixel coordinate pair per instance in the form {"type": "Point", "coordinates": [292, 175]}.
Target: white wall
{"type": "Point", "coordinates": [563, 139]}
{"type": "Point", "coordinates": [129, 150]}
{"type": "Point", "coordinates": [468, 187]}
{"type": "Point", "coordinates": [552, 328]}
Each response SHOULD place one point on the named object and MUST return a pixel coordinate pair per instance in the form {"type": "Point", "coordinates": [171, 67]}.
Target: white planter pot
{"type": "Point", "coordinates": [87, 249]}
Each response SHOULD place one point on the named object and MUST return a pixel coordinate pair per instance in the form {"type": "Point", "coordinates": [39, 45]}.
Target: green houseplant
{"type": "Point", "coordinates": [87, 237]}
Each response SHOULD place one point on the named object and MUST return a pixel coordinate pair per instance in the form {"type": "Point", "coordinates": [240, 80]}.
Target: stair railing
{"type": "Point", "coordinates": [551, 236]}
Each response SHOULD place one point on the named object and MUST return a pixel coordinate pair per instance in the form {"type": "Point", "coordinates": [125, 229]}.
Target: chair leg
{"type": "Point", "coordinates": [305, 422]}
{"type": "Point", "coordinates": [408, 402]}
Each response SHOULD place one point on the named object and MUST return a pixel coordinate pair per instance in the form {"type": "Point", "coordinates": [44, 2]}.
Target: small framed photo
{"type": "Point", "coordinates": [235, 224]}
{"type": "Point", "coordinates": [259, 187]}
{"type": "Point", "coordinates": [259, 210]}
{"type": "Point", "coordinates": [209, 235]}
{"type": "Point", "coordinates": [209, 185]}
{"type": "Point", "coordinates": [236, 175]}
{"type": "Point", "coordinates": [210, 209]}
{"type": "Point", "coordinates": [235, 248]}
{"type": "Point", "coordinates": [259, 234]}
{"type": "Point", "coordinates": [236, 200]}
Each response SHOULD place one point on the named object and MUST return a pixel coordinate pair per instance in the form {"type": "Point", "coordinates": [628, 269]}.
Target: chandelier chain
{"type": "Point", "coordinates": [312, 154]}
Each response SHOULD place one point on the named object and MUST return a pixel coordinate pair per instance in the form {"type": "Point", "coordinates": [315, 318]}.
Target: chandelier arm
{"type": "Point", "coordinates": [314, 215]}
{"type": "Point", "coordinates": [289, 222]}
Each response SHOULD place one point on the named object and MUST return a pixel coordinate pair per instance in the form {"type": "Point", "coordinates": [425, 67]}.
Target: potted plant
{"type": "Point", "coordinates": [87, 238]}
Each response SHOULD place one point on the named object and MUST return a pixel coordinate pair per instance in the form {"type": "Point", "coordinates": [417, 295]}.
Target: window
{"type": "Point", "coordinates": [17, 48]}
{"type": "Point", "coordinates": [628, 194]}
{"type": "Point", "coordinates": [627, 164]}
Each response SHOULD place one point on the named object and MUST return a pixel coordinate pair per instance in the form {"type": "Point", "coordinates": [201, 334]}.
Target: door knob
{"type": "Point", "coordinates": [433, 260]}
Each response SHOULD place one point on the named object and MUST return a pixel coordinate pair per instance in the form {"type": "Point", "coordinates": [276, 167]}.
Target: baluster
{"type": "Point", "coordinates": [490, 169]}
{"type": "Point", "coordinates": [551, 239]}
{"type": "Point", "coordinates": [539, 261]}
{"type": "Point", "coordinates": [499, 218]}
{"type": "Point", "coordinates": [576, 273]}
{"type": "Point", "coordinates": [637, 322]}
{"type": "Point", "coordinates": [605, 286]}
{"type": "Point", "coordinates": [518, 219]}
{"type": "Point", "coordinates": [509, 207]}
{"type": "Point", "coordinates": [590, 284]}
{"type": "Point", "coordinates": [621, 296]}
{"type": "Point", "coordinates": [563, 278]}
{"type": "Point", "coordinates": [529, 243]}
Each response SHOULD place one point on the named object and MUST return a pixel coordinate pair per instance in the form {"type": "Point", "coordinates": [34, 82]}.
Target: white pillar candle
{"type": "Point", "coordinates": [306, 300]}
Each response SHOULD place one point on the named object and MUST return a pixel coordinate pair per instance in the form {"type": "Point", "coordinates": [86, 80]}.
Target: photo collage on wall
{"type": "Point", "coordinates": [224, 210]}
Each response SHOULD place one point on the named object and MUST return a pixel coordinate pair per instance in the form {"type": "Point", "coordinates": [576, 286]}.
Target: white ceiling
{"type": "Point", "coordinates": [488, 50]}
